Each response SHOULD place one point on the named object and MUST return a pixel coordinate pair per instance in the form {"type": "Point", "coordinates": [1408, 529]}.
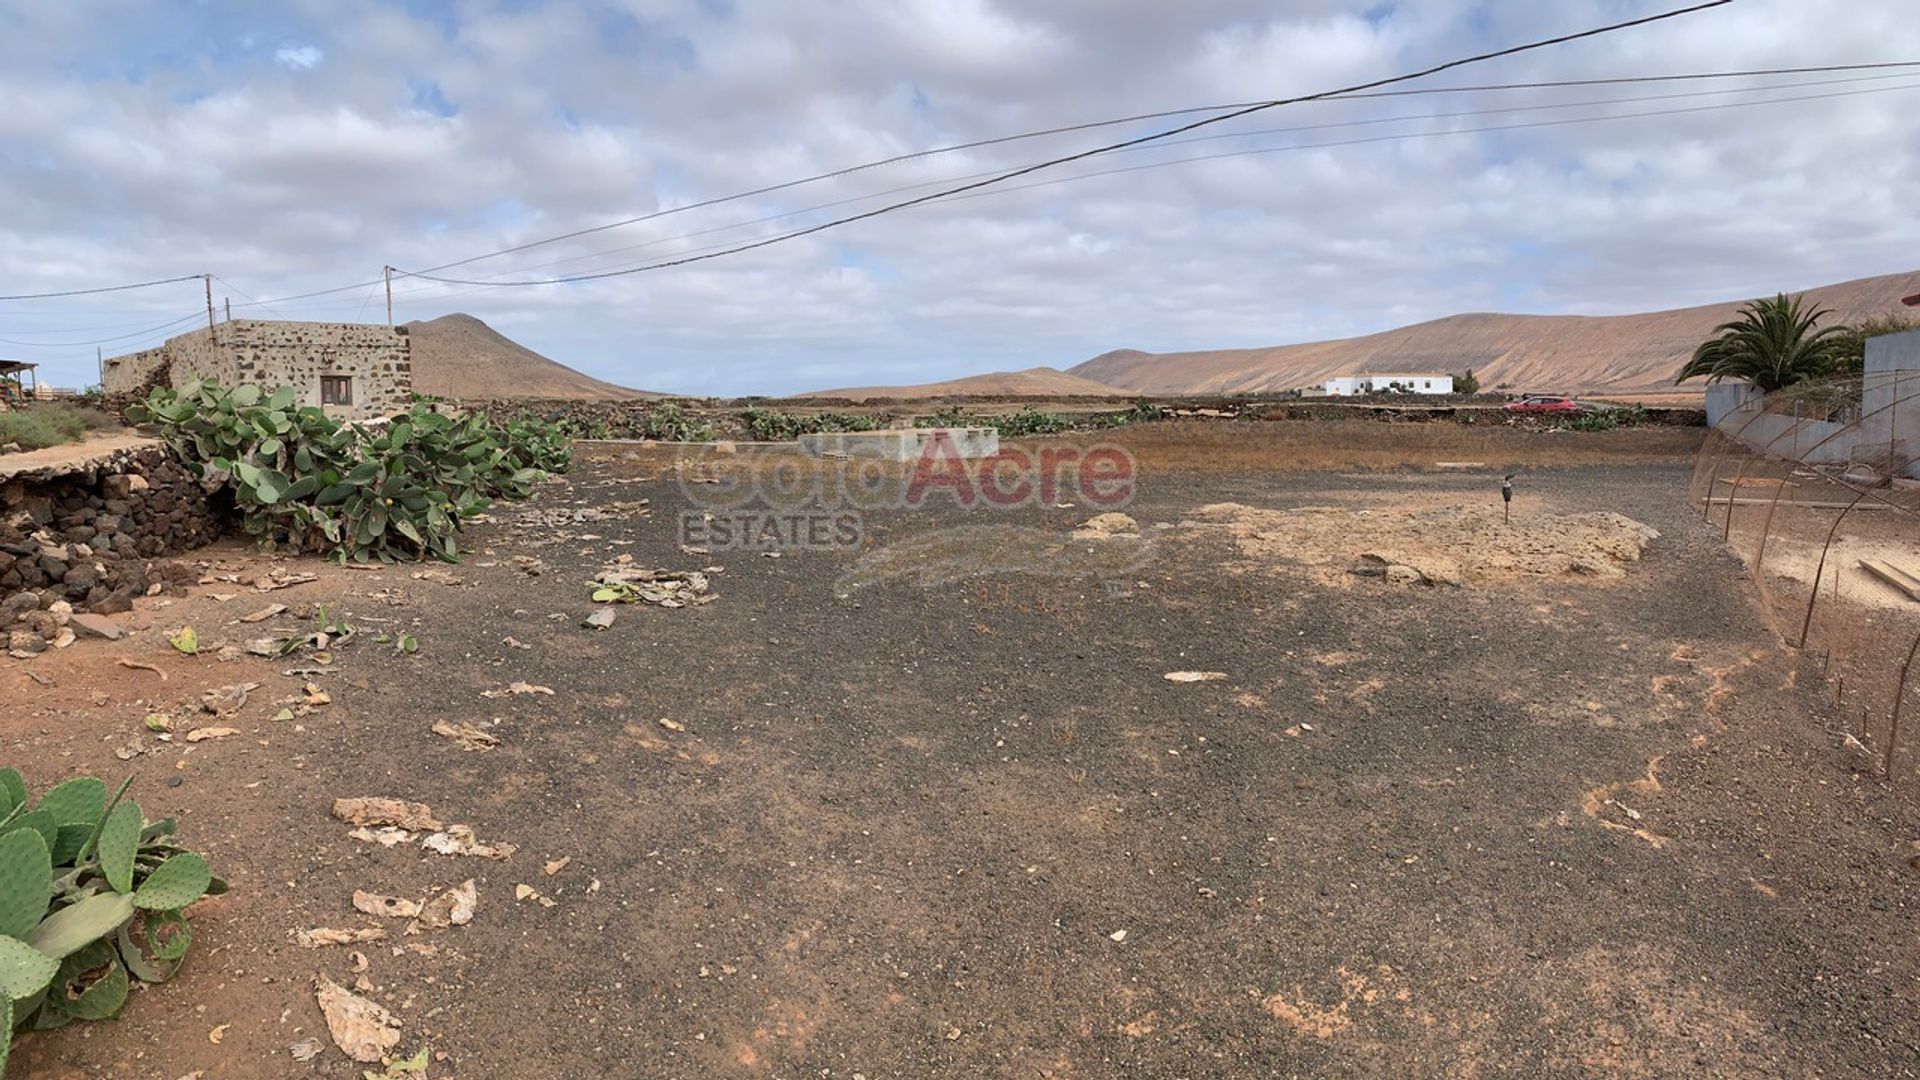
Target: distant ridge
{"type": "Point", "coordinates": [458, 356]}
{"type": "Point", "coordinates": [1033, 382]}
{"type": "Point", "coordinates": [1565, 353]}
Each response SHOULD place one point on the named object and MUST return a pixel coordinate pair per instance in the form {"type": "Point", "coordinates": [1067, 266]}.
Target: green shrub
{"type": "Point", "coordinates": [767, 425]}
{"type": "Point", "coordinates": [39, 425]}
{"type": "Point", "coordinates": [670, 423]}
{"type": "Point", "coordinates": [77, 872]}
{"type": "Point", "coordinates": [399, 490]}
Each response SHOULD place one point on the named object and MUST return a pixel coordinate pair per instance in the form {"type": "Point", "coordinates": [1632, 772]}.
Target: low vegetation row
{"type": "Point", "coordinates": [304, 481]}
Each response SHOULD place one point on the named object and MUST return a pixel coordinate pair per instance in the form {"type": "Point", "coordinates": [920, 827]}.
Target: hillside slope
{"type": "Point", "coordinates": [459, 356]}
{"type": "Point", "coordinates": [1033, 382]}
{"type": "Point", "coordinates": [1569, 353]}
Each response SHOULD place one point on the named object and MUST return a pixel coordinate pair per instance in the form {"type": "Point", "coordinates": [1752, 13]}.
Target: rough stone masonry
{"type": "Point", "coordinates": [355, 371]}
{"type": "Point", "coordinates": [81, 537]}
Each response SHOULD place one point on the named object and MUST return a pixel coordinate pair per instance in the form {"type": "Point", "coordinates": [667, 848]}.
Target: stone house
{"type": "Point", "coordinates": [355, 371]}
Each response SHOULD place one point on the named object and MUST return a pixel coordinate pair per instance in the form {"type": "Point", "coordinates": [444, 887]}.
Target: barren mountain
{"type": "Point", "coordinates": [1033, 382]}
{"type": "Point", "coordinates": [1565, 353]}
{"type": "Point", "coordinates": [459, 356]}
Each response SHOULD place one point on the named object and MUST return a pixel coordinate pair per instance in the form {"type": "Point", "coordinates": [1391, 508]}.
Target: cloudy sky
{"type": "Point", "coordinates": [301, 146]}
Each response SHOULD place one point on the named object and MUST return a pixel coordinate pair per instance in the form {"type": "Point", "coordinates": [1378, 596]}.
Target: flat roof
{"type": "Point", "coordinates": [8, 367]}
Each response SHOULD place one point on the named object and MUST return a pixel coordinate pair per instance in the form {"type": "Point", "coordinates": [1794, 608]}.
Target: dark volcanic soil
{"type": "Point", "coordinates": [1554, 827]}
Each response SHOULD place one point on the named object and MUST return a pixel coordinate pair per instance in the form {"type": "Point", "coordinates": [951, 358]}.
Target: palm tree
{"type": "Point", "coordinates": [1773, 345]}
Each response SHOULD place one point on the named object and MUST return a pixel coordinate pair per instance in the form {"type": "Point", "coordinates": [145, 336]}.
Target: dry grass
{"type": "Point", "coordinates": [1323, 445]}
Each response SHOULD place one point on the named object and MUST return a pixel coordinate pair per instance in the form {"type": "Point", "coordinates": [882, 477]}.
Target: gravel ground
{"type": "Point", "coordinates": [1532, 827]}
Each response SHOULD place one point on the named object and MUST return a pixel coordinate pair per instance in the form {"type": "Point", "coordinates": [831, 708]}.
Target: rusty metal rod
{"type": "Point", "coordinates": [1820, 570]}
{"type": "Point", "coordinates": [1899, 695]}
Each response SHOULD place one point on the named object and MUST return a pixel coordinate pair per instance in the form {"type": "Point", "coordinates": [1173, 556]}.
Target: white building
{"type": "Point", "coordinates": [1349, 385]}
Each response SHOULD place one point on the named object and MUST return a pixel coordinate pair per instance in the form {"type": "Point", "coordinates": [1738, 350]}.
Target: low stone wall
{"type": "Point", "coordinates": [83, 534]}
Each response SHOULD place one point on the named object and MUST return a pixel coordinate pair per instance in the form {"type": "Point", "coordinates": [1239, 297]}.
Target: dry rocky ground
{"type": "Point", "coordinates": [944, 814]}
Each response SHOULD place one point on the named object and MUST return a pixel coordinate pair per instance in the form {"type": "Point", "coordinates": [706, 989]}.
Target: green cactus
{"type": "Point", "coordinates": [38, 821]}
{"type": "Point", "coordinates": [77, 871]}
{"type": "Point", "coordinates": [119, 845]}
{"type": "Point", "coordinates": [79, 801]}
{"type": "Point", "coordinates": [24, 970]}
{"type": "Point", "coordinates": [77, 997]}
{"type": "Point", "coordinates": [68, 840]}
{"type": "Point", "coordinates": [174, 884]}
{"type": "Point", "coordinates": [79, 924]}
{"type": "Point", "coordinates": [26, 882]}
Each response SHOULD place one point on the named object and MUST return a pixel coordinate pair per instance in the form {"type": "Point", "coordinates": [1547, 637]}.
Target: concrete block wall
{"type": "Point", "coordinates": [271, 353]}
{"type": "Point", "coordinates": [1887, 433]}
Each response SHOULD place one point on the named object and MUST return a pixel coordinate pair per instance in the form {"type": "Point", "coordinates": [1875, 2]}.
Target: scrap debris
{"type": "Point", "coordinates": [362, 1029]}
{"type": "Point", "coordinates": [515, 689]}
{"type": "Point", "coordinates": [224, 701]}
{"type": "Point", "coordinates": [379, 811]}
{"type": "Point", "coordinates": [1193, 676]}
{"type": "Point", "coordinates": [664, 588]}
{"type": "Point", "coordinates": [454, 907]}
{"type": "Point", "coordinates": [392, 907]}
{"type": "Point", "coordinates": [468, 737]}
{"type": "Point", "coordinates": [141, 665]}
{"type": "Point", "coordinates": [321, 936]}
{"type": "Point", "coordinates": [459, 840]}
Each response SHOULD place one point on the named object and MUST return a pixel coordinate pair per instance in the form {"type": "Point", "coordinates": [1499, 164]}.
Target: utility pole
{"type": "Point", "coordinates": [229, 301]}
{"type": "Point", "coordinates": [207, 280]}
{"type": "Point", "coordinates": [100, 367]}
{"type": "Point", "coordinates": [386, 272]}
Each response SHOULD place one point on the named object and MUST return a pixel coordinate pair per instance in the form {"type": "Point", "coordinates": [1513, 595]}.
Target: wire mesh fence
{"type": "Point", "coordinates": [1815, 489]}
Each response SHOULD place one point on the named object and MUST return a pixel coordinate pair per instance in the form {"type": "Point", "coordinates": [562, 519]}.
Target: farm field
{"type": "Point", "coordinates": [1429, 792]}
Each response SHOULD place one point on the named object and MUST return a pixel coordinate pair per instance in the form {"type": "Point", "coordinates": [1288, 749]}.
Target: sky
{"type": "Point", "coordinates": [302, 146]}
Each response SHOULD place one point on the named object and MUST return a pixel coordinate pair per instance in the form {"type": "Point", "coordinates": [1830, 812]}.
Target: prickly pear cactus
{"type": "Point", "coordinates": [119, 845]}
{"type": "Point", "coordinates": [174, 884]}
{"type": "Point", "coordinates": [79, 870]}
{"type": "Point", "coordinates": [26, 882]}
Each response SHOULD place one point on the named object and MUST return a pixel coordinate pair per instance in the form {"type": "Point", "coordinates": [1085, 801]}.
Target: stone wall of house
{"type": "Point", "coordinates": [83, 537]}
{"type": "Point", "coordinates": [271, 353]}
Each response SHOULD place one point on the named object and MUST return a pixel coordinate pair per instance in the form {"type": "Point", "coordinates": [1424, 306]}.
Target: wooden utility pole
{"type": "Point", "coordinates": [229, 301]}
{"type": "Point", "coordinates": [386, 272]}
{"type": "Point", "coordinates": [207, 280]}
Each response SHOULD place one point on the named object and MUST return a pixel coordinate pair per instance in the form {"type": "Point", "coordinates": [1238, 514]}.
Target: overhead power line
{"type": "Point", "coordinates": [1137, 117]}
{"type": "Point", "coordinates": [148, 332]}
{"type": "Point", "coordinates": [104, 288]}
{"type": "Point", "coordinates": [1123, 144]}
{"type": "Point", "coordinates": [1369, 122]}
{"type": "Point", "coordinates": [1091, 125]}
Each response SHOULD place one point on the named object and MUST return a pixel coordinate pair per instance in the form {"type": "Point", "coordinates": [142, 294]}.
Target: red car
{"type": "Point", "coordinates": [1544, 403]}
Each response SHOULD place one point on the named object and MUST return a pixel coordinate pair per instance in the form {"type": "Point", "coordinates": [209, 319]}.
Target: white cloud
{"type": "Point", "coordinates": [570, 115]}
{"type": "Point", "coordinates": [299, 57]}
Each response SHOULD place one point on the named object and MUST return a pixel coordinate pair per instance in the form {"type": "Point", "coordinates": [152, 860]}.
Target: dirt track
{"type": "Point", "coordinates": [1531, 827]}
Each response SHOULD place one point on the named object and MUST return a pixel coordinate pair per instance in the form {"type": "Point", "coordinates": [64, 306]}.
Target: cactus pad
{"type": "Point", "coordinates": [98, 999]}
{"type": "Point", "coordinates": [79, 801]}
{"type": "Point", "coordinates": [67, 842]}
{"type": "Point", "coordinates": [13, 790]}
{"type": "Point", "coordinates": [119, 843]}
{"type": "Point", "coordinates": [39, 821]}
{"type": "Point", "coordinates": [26, 882]}
{"type": "Point", "coordinates": [78, 925]}
{"type": "Point", "coordinates": [24, 970]}
{"type": "Point", "coordinates": [174, 884]}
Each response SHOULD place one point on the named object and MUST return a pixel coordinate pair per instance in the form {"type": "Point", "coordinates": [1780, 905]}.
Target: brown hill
{"type": "Point", "coordinates": [1564, 353]}
{"type": "Point", "coordinates": [1033, 382]}
{"type": "Point", "coordinates": [459, 356]}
